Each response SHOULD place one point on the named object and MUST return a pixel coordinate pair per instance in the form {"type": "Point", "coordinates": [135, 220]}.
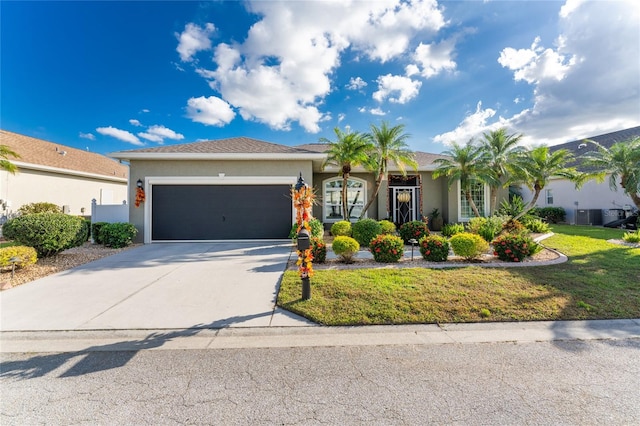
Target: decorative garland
{"type": "Point", "coordinates": [303, 202]}
{"type": "Point", "coordinates": [140, 197]}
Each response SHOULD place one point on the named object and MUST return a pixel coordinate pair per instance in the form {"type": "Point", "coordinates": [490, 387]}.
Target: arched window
{"type": "Point", "coordinates": [332, 196]}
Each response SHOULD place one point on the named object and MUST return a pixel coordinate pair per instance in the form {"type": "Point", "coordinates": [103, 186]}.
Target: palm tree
{"type": "Point", "coordinates": [349, 150]}
{"type": "Point", "coordinates": [621, 162]}
{"type": "Point", "coordinates": [5, 164]}
{"type": "Point", "coordinates": [538, 166]}
{"type": "Point", "coordinates": [498, 152]}
{"type": "Point", "coordinates": [464, 165]}
{"type": "Point", "coordinates": [388, 145]}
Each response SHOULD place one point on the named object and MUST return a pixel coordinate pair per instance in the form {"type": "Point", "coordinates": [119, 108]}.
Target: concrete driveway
{"type": "Point", "coordinates": [158, 286]}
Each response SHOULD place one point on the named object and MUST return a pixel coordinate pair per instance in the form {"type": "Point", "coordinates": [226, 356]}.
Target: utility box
{"type": "Point", "coordinates": [589, 217]}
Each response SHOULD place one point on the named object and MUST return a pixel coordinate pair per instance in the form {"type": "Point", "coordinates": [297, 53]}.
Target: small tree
{"type": "Point", "coordinates": [621, 162]}
{"type": "Point", "coordinates": [349, 150]}
{"type": "Point", "coordinates": [537, 166]}
{"type": "Point", "coordinates": [5, 164]}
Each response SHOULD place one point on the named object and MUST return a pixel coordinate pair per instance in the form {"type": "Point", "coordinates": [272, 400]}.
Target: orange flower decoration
{"type": "Point", "coordinates": [139, 196]}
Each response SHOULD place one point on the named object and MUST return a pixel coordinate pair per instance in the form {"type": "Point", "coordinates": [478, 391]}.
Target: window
{"type": "Point", "coordinates": [549, 196]}
{"type": "Point", "coordinates": [356, 198]}
{"type": "Point", "coordinates": [480, 198]}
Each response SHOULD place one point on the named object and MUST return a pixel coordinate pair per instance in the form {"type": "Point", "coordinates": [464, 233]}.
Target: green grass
{"type": "Point", "coordinates": [600, 280]}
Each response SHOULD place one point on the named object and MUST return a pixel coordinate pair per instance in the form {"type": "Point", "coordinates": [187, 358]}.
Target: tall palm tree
{"type": "Point", "coordinates": [389, 144]}
{"type": "Point", "coordinates": [621, 162]}
{"type": "Point", "coordinates": [347, 151]}
{"type": "Point", "coordinates": [5, 164]}
{"type": "Point", "coordinates": [537, 166]}
{"type": "Point", "coordinates": [464, 165]}
{"type": "Point", "coordinates": [499, 150]}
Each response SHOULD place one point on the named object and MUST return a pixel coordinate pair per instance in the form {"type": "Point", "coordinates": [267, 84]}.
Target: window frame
{"type": "Point", "coordinates": [326, 197]}
{"type": "Point", "coordinates": [484, 208]}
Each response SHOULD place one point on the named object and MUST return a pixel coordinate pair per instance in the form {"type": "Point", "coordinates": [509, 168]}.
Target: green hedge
{"type": "Point", "coordinates": [47, 233]}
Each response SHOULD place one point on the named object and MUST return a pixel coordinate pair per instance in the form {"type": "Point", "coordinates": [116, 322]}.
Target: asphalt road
{"type": "Point", "coordinates": [552, 383]}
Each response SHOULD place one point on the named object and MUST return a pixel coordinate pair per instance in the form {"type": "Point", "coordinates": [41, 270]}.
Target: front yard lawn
{"type": "Point", "coordinates": [600, 280]}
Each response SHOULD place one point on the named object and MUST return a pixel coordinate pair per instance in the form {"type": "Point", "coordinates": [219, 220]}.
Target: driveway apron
{"type": "Point", "coordinates": [158, 286]}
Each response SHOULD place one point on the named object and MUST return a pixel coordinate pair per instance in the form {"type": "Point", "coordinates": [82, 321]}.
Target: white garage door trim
{"type": "Point", "coordinates": [206, 180]}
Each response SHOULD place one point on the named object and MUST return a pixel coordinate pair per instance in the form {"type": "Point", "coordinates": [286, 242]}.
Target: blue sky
{"type": "Point", "coordinates": [111, 76]}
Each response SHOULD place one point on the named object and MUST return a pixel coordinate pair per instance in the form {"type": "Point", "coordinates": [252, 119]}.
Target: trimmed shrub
{"type": "Point", "coordinates": [95, 232]}
{"type": "Point", "coordinates": [535, 224]}
{"type": "Point", "coordinates": [364, 230]}
{"type": "Point", "coordinates": [7, 230]}
{"type": "Point", "coordinates": [468, 245]}
{"type": "Point", "coordinates": [118, 235]}
{"type": "Point", "coordinates": [33, 208]}
{"type": "Point", "coordinates": [47, 233]}
{"type": "Point", "coordinates": [345, 247]}
{"type": "Point", "coordinates": [486, 227]}
{"type": "Point", "coordinates": [318, 250]}
{"type": "Point", "coordinates": [83, 234]}
{"type": "Point", "coordinates": [514, 247]}
{"type": "Point", "coordinates": [550, 214]}
{"type": "Point", "coordinates": [387, 227]}
{"type": "Point", "coordinates": [414, 229]}
{"type": "Point", "coordinates": [27, 256]}
{"type": "Point", "coordinates": [317, 229]}
{"type": "Point", "coordinates": [387, 248]}
{"type": "Point", "coordinates": [341, 228]}
{"type": "Point", "coordinates": [451, 229]}
{"type": "Point", "coordinates": [434, 248]}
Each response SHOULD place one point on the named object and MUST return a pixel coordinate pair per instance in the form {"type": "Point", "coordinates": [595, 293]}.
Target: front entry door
{"type": "Point", "coordinates": [404, 204]}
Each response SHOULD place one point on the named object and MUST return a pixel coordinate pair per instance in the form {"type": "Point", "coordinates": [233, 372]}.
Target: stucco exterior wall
{"type": "Point", "coordinates": [433, 194]}
{"type": "Point", "coordinates": [34, 186]}
{"type": "Point", "coordinates": [592, 195]}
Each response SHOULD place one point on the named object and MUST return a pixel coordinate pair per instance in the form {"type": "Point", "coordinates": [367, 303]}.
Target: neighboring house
{"type": "Point", "coordinates": [68, 177]}
{"type": "Point", "coordinates": [595, 203]}
{"type": "Point", "coordinates": [239, 188]}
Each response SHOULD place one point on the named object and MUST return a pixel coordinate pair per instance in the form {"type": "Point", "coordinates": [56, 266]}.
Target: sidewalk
{"type": "Point", "coordinates": [318, 336]}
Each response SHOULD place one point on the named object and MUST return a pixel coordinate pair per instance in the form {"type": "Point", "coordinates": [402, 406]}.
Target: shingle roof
{"type": "Point", "coordinates": [580, 147]}
{"type": "Point", "coordinates": [38, 152]}
{"type": "Point", "coordinates": [239, 145]}
{"type": "Point", "coordinates": [424, 159]}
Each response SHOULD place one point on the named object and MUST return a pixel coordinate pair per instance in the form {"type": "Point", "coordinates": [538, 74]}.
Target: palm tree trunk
{"type": "Point", "coordinates": [374, 195]}
{"type": "Point", "coordinates": [530, 205]}
{"type": "Point", "coordinates": [635, 198]}
{"type": "Point", "coordinates": [345, 207]}
{"type": "Point", "coordinates": [472, 204]}
{"type": "Point", "coordinates": [494, 199]}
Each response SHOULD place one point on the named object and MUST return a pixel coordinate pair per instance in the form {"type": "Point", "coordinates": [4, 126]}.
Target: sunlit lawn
{"type": "Point", "coordinates": [600, 280]}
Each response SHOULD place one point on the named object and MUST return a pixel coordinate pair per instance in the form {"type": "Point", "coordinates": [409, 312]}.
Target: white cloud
{"type": "Point", "coordinates": [589, 84]}
{"type": "Point", "coordinates": [89, 136]}
{"type": "Point", "coordinates": [135, 122]}
{"type": "Point", "coordinates": [194, 39]}
{"type": "Point", "coordinates": [473, 125]}
{"type": "Point", "coordinates": [122, 135]}
{"type": "Point", "coordinates": [356, 83]}
{"type": "Point", "coordinates": [341, 117]}
{"type": "Point", "coordinates": [211, 111]}
{"type": "Point", "coordinates": [432, 59]}
{"type": "Point", "coordinates": [274, 78]}
{"type": "Point", "coordinates": [159, 133]}
{"type": "Point", "coordinates": [403, 87]}
{"type": "Point", "coordinates": [537, 63]}
{"type": "Point", "coordinates": [517, 100]}
{"type": "Point", "coordinates": [145, 110]}
{"type": "Point", "coordinates": [377, 111]}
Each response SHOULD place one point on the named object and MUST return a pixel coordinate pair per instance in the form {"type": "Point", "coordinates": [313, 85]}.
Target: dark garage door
{"type": "Point", "coordinates": [216, 212]}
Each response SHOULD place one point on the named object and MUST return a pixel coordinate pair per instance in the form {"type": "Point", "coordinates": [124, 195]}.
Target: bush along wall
{"type": "Point", "coordinates": [48, 233]}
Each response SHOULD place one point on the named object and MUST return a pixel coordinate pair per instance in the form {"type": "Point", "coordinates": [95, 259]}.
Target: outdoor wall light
{"type": "Point", "coordinates": [139, 183]}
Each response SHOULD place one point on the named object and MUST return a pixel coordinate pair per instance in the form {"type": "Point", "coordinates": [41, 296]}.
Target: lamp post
{"type": "Point", "coordinates": [303, 201]}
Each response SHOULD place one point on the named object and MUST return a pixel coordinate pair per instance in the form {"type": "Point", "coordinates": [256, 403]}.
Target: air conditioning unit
{"type": "Point", "coordinates": [589, 217]}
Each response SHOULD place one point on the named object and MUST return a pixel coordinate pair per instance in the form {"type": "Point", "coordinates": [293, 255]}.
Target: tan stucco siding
{"type": "Point", "coordinates": [34, 186]}
{"type": "Point", "coordinates": [432, 194]}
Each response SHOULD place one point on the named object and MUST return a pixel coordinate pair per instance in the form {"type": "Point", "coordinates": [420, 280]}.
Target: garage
{"type": "Point", "coordinates": [220, 212]}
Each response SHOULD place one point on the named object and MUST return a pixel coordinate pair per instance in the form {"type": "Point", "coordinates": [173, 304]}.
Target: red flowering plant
{"type": "Point", "coordinates": [514, 247]}
{"type": "Point", "coordinates": [386, 248]}
{"type": "Point", "coordinates": [413, 230]}
{"type": "Point", "coordinates": [434, 248]}
{"type": "Point", "coordinates": [318, 250]}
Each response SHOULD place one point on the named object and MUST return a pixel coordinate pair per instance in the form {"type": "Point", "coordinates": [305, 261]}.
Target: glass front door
{"type": "Point", "coordinates": [404, 203]}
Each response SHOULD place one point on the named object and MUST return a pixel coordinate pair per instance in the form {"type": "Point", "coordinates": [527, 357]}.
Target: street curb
{"type": "Point", "coordinates": [317, 336]}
